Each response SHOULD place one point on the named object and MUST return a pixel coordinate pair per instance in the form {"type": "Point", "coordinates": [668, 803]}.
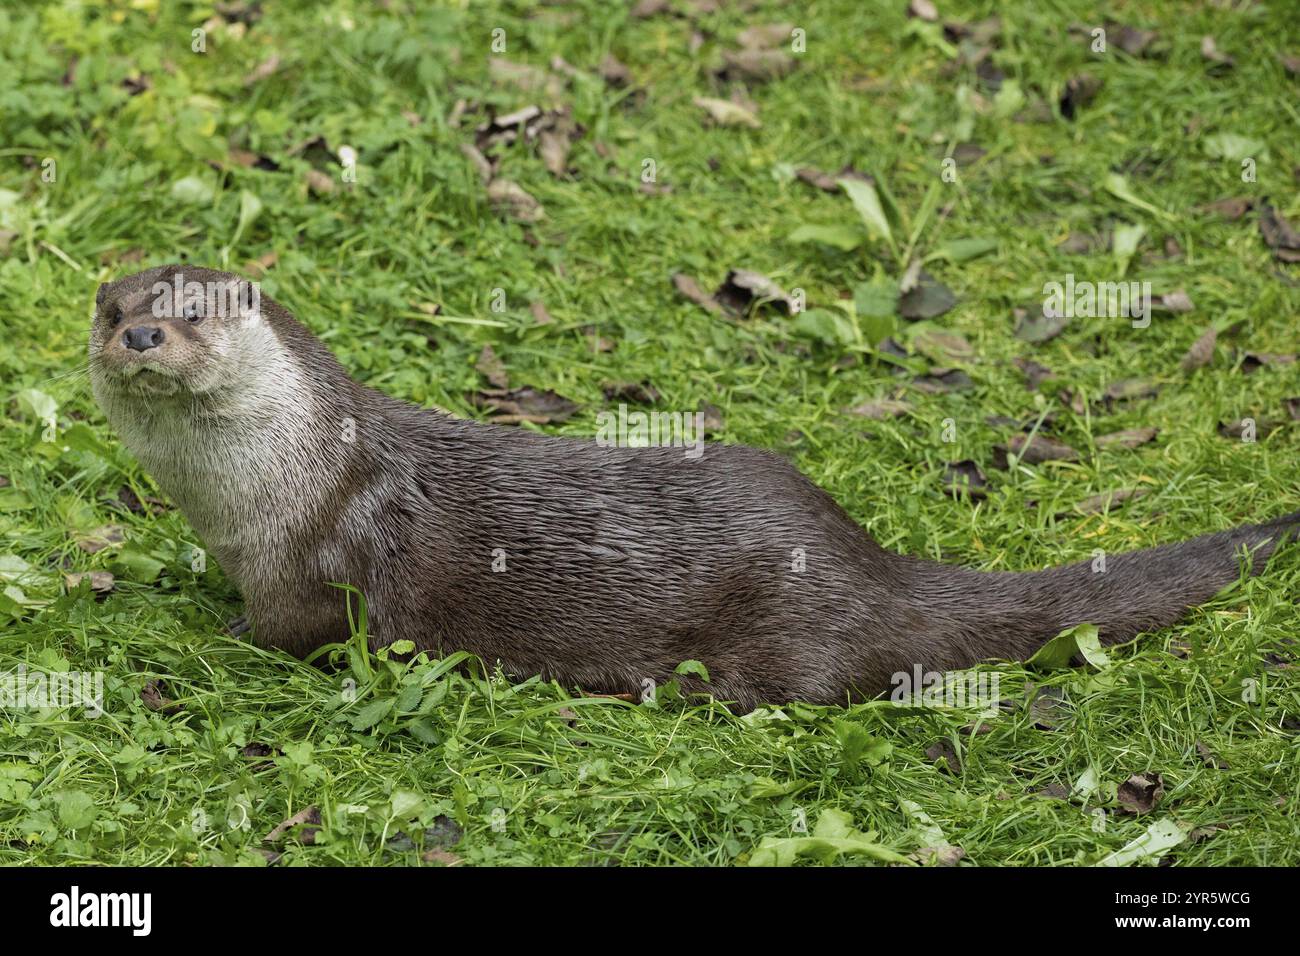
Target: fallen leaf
{"type": "Point", "coordinates": [1131, 40]}
{"type": "Point", "coordinates": [1279, 235]}
{"type": "Point", "coordinates": [1035, 374]}
{"type": "Point", "coordinates": [522, 76]}
{"type": "Point", "coordinates": [727, 113]}
{"type": "Point", "coordinates": [649, 8]}
{"type": "Point", "coordinates": [1201, 352]}
{"type": "Point", "coordinates": [1079, 92]}
{"type": "Point", "coordinates": [941, 346]}
{"type": "Point", "coordinates": [1177, 301]}
{"type": "Point", "coordinates": [1161, 836]}
{"type": "Point", "coordinates": [638, 393]}
{"type": "Point", "coordinates": [263, 70]}
{"type": "Point", "coordinates": [930, 298]}
{"type": "Point", "coordinates": [308, 820]}
{"type": "Point", "coordinates": [1128, 438]}
{"type": "Point", "coordinates": [964, 476]}
{"type": "Point", "coordinates": [744, 289]}
{"type": "Point", "coordinates": [1035, 450]}
{"type": "Point", "coordinates": [1230, 209]}
{"type": "Point", "coordinates": [614, 72]}
{"type": "Point", "coordinates": [509, 198]}
{"type": "Point", "coordinates": [1047, 705]}
{"type": "Point", "coordinates": [138, 83]}
{"type": "Point", "coordinates": [1036, 326]}
{"type": "Point", "coordinates": [939, 855]}
{"type": "Point", "coordinates": [155, 700]}
{"type": "Point", "coordinates": [441, 856]}
{"type": "Point", "coordinates": [1140, 793]}
{"type": "Point", "coordinates": [504, 129]}
{"type": "Point", "coordinates": [815, 177]}
{"type": "Point", "coordinates": [1238, 429]}
{"type": "Point", "coordinates": [106, 536]}
{"type": "Point", "coordinates": [881, 409]}
{"type": "Point", "coordinates": [540, 315]}
{"type": "Point", "coordinates": [941, 382]}
{"type": "Point", "coordinates": [761, 36]}
{"type": "Point", "coordinates": [1210, 51]}
{"type": "Point", "coordinates": [251, 160]}
{"type": "Point", "coordinates": [482, 165]}
{"type": "Point", "coordinates": [1130, 388]}
{"type": "Point", "coordinates": [513, 406]}
{"type": "Point", "coordinates": [1104, 502]}
{"type": "Point", "coordinates": [1209, 757]}
{"type": "Point", "coordinates": [714, 423]}
{"type": "Point", "coordinates": [1252, 362]}
{"type": "Point", "coordinates": [1197, 834]}
{"type": "Point", "coordinates": [688, 288]}
{"type": "Point", "coordinates": [101, 582]}
{"type": "Point", "coordinates": [756, 66]}
{"type": "Point", "coordinates": [923, 10]}
{"type": "Point", "coordinates": [492, 368]}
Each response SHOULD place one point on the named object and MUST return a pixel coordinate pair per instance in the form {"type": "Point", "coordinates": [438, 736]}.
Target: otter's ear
{"type": "Point", "coordinates": [102, 293]}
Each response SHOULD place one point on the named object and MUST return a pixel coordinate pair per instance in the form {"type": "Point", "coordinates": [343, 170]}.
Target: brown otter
{"type": "Point", "coordinates": [601, 567]}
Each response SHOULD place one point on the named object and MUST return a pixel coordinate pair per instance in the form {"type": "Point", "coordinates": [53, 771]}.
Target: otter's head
{"type": "Point", "coordinates": [178, 331]}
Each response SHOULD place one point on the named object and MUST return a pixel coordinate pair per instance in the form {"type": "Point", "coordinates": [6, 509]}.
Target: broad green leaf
{"type": "Point", "coordinates": [1008, 100]}
{"type": "Point", "coordinates": [1080, 639]}
{"type": "Point", "coordinates": [1231, 146]}
{"type": "Point", "coordinates": [840, 237]}
{"type": "Point", "coordinates": [1118, 186]}
{"type": "Point", "coordinates": [876, 303]}
{"type": "Point", "coordinates": [1124, 244]}
{"type": "Point", "coordinates": [829, 326]}
{"type": "Point", "coordinates": [866, 201]}
{"type": "Point", "coordinates": [37, 405]}
{"type": "Point", "coordinates": [832, 837]}
{"type": "Point", "coordinates": [961, 250]}
{"type": "Point", "coordinates": [372, 713]}
{"type": "Point", "coordinates": [1160, 836]}
{"type": "Point", "coordinates": [693, 667]}
{"type": "Point", "coordinates": [406, 804]}
{"type": "Point", "coordinates": [192, 190]}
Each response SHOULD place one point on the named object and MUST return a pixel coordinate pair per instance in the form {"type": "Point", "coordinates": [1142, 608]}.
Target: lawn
{"type": "Point", "coordinates": [559, 264]}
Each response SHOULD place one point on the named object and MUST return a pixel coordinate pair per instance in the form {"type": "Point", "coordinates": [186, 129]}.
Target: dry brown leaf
{"type": "Point", "coordinates": [727, 113]}
{"type": "Point", "coordinates": [1201, 352]}
{"type": "Point", "coordinates": [101, 582]}
{"type": "Point", "coordinates": [308, 820]}
{"type": "Point", "coordinates": [1128, 438]}
{"type": "Point", "coordinates": [526, 404]}
{"type": "Point", "coordinates": [263, 70]}
{"type": "Point", "coordinates": [492, 368]}
{"type": "Point", "coordinates": [510, 199]}
{"type": "Point", "coordinates": [1140, 793]}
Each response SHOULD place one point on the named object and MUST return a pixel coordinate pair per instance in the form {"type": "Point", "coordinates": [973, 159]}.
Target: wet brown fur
{"type": "Point", "coordinates": [620, 563]}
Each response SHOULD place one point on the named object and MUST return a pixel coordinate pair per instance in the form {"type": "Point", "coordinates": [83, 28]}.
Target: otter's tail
{"type": "Point", "coordinates": [981, 615]}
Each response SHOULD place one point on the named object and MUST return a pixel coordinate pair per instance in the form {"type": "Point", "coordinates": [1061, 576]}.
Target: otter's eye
{"type": "Point", "coordinates": [115, 316]}
{"type": "Point", "coordinates": [193, 313]}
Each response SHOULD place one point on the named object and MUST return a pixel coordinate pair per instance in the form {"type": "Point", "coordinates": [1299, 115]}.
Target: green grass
{"type": "Point", "coordinates": [527, 773]}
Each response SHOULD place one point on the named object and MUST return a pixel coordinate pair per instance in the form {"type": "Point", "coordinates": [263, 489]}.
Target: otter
{"type": "Point", "coordinates": [599, 567]}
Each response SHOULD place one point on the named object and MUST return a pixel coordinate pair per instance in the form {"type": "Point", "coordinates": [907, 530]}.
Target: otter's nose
{"type": "Point", "coordinates": [143, 337]}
